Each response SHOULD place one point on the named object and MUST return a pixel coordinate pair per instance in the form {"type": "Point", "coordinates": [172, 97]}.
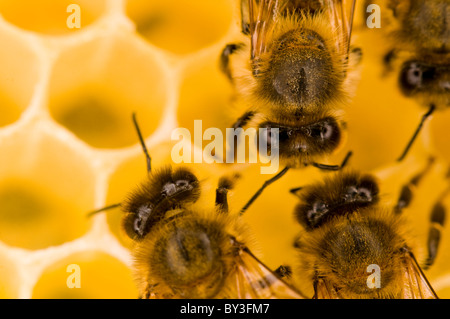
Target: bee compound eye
{"type": "Point", "coordinates": [414, 75]}
{"type": "Point", "coordinates": [316, 213]}
{"type": "Point", "coordinates": [350, 194]}
{"type": "Point", "coordinates": [411, 77]}
{"type": "Point", "coordinates": [137, 223]}
{"type": "Point", "coordinates": [326, 131]}
{"type": "Point", "coordinates": [181, 183]}
{"type": "Point", "coordinates": [266, 136]}
{"type": "Point", "coordinates": [132, 224]}
{"type": "Point", "coordinates": [364, 194]}
{"type": "Point", "coordinates": [168, 189]}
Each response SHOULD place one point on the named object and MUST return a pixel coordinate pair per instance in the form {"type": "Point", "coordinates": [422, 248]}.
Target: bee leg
{"type": "Point", "coordinates": [413, 138]}
{"type": "Point", "coordinates": [225, 58]}
{"type": "Point", "coordinates": [437, 219]}
{"type": "Point", "coordinates": [283, 271]}
{"type": "Point", "coordinates": [333, 167]}
{"type": "Point", "coordinates": [260, 190]}
{"type": "Point", "coordinates": [144, 148]}
{"type": "Point", "coordinates": [406, 193]}
{"type": "Point", "coordinates": [225, 184]}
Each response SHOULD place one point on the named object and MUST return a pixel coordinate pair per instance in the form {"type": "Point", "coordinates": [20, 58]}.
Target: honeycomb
{"type": "Point", "coordinates": [67, 93]}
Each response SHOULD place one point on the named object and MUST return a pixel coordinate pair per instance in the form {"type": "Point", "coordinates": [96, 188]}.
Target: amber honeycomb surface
{"type": "Point", "coordinates": [68, 144]}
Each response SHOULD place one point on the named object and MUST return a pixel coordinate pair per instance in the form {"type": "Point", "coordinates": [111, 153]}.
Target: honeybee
{"type": "Point", "coordinates": [418, 33]}
{"type": "Point", "coordinates": [349, 234]}
{"type": "Point", "coordinates": [182, 250]}
{"type": "Point", "coordinates": [294, 72]}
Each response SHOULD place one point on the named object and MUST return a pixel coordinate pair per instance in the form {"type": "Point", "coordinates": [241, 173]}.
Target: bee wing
{"type": "Point", "coordinates": [260, 16]}
{"type": "Point", "coordinates": [341, 13]}
{"type": "Point", "coordinates": [415, 284]}
{"type": "Point", "coordinates": [324, 290]}
{"type": "Point", "coordinates": [254, 280]}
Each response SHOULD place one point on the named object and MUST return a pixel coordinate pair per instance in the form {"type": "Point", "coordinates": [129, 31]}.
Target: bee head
{"type": "Point", "coordinates": [163, 191]}
{"type": "Point", "coordinates": [428, 80]}
{"type": "Point", "coordinates": [297, 141]}
{"type": "Point", "coordinates": [341, 195]}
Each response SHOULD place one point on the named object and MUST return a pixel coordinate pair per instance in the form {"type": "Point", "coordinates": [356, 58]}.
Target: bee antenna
{"type": "Point", "coordinates": [89, 215]}
{"type": "Point", "coordinates": [144, 148]}
{"type": "Point", "coordinates": [419, 127]}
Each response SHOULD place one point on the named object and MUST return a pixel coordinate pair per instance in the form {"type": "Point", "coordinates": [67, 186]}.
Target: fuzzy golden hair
{"type": "Point", "coordinates": [338, 88]}
{"type": "Point", "coordinates": [203, 238]}
{"type": "Point", "coordinates": [419, 25]}
{"type": "Point", "coordinates": [342, 249]}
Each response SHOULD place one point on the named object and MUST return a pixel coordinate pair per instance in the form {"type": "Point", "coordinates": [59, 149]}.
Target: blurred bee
{"type": "Point", "coordinates": [418, 34]}
{"type": "Point", "coordinates": [294, 73]}
{"type": "Point", "coordinates": [184, 251]}
{"type": "Point", "coordinates": [348, 233]}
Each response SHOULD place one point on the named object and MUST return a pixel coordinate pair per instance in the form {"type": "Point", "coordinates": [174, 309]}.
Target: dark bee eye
{"type": "Point", "coordinates": [133, 225]}
{"type": "Point", "coordinates": [267, 137]}
{"type": "Point", "coordinates": [351, 193]}
{"type": "Point", "coordinates": [137, 224]}
{"type": "Point", "coordinates": [364, 193]}
{"type": "Point", "coordinates": [415, 76]}
{"type": "Point", "coordinates": [168, 189]}
{"type": "Point", "coordinates": [324, 130]}
{"type": "Point", "coordinates": [412, 75]}
{"type": "Point", "coordinates": [311, 216]}
{"type": "Point", "coordinates": [319, 208]}
{"type": "Point", "coordinates": [182, 184]}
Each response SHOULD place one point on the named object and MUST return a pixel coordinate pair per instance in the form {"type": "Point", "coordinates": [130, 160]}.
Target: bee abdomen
{"type": "Point", "coordinates": [355, 247]}
{"type": "Point", "coordinates": [300, 71]}
{"type": "Point", "coordinates": [189, 260]}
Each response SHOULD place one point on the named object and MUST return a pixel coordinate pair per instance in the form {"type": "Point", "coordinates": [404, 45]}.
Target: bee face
{"type": "Point", "coordinates": [299, 142]}
{"type": "Point", "coordinates": [345, 193]}
{"type": "Point", "coordinates": [347, 232]}
{"type": "Point", "coordinates": [299, 71]}
{"type": "Point", "coordinates": [164, 191]}
{"type": "Point", "coordinates": [423, 79]}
